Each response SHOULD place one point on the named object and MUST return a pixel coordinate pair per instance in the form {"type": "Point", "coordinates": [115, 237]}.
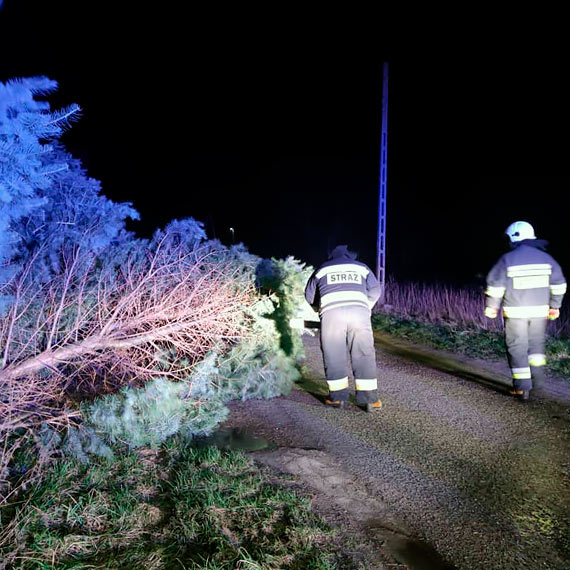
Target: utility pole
{"type": "Point", "coordinates": [381, 242]}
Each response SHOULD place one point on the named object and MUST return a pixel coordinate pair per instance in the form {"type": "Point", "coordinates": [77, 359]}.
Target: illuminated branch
{"type": "Point", "coordinates": [158, 315]}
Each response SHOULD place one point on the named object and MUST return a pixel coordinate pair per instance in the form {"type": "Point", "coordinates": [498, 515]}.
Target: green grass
{"type": "Point", "coordinates": [452, 337]}
{"type": "Point", "coordinates": [473, 341]}
{"type": "Point", "coordinates": [180, 507]}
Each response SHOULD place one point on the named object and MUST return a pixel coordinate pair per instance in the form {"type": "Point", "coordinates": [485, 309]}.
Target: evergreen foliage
{"type": "Point", "coordinates": [265, 364]}
{"type": "Point", "coordinates": [256, 367]}
{"type": "Point", "coordinates": [75, 218]}
{"type": "Point", "coordinates": [147, 416]}
{"type": "Point", "coordinates": [285, 280]}
{"type": "Point", "coordinates": [77, 442]}
{"type": "Point", "coordinates": [186, 232]}
{"type": "Point", "coordinates": [49, 209]}
{"type": "Point", "coordinates": [26, 127]}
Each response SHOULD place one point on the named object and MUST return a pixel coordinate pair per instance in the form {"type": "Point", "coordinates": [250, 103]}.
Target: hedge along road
{"type": "Point", "coordinates": [451, 473]}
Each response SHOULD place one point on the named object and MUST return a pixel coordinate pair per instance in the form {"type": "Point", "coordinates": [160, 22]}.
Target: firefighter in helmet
{"type": "Point", "coordinates": [530, 286]}
{"type": "Point", "coordinates": [344, 291]}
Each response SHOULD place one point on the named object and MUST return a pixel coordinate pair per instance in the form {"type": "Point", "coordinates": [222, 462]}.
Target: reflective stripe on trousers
{"type": "Point", "coordinates": [525, 341]}
{"type": "Point", "coordinates": [348, 329]}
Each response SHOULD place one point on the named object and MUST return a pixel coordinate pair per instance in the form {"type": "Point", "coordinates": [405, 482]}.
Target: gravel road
{"type": "Point", "coordinates": [451, 460]}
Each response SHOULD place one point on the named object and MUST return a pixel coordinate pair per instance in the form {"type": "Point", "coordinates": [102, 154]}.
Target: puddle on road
{"type": "Point", "coordinates": [415, 554]}
{"type": "Point", "coordinates": [233, 438]}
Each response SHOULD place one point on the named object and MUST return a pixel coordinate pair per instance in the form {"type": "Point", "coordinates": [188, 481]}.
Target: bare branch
{"type": "Point", "coordinates": [114, 326]}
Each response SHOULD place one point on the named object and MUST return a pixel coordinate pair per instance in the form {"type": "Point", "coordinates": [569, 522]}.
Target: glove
{"type": "Point", "coordinates": [553, 314]}
{"type": "Point", "coordinates": [491, 312]}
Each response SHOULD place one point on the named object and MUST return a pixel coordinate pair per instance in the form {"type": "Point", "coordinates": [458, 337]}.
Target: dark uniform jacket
{"type": "Point", "coordinates": [342, 282]}
{"type": "Point", "coordinates": [527, 281]}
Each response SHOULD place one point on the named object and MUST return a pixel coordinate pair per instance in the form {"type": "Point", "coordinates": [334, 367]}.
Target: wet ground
{"type": "Point", "coordinates": [452, 473]}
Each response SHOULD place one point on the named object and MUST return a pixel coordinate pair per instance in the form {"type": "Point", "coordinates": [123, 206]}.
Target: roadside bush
{"type": "Point", "coordinates": [464, 307]}
{"type": "Point", "coordinates": [433, 303]}
{"type": "Point", "coordinates": [471, 341]}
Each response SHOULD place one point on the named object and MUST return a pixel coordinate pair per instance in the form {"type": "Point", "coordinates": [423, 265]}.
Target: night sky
{"type": "Point", "coordinates": [270, 124]}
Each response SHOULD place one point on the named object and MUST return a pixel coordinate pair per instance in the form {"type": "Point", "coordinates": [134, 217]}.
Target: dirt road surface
{"type": "Point", "coordinates": [451, 473]}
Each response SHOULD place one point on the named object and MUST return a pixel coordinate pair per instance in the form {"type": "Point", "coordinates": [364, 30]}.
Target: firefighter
{"type": "Point", "coordinates": [529, 284]}
{"type": "Point", "coordinates": [344, 290]}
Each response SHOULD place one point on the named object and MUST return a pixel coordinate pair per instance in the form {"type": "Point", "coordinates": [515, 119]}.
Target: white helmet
{"type": "Point", "coordinates": [518, 231]}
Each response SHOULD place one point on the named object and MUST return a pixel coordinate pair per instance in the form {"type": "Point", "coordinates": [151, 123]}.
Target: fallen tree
{"type": "Point", "coordinates": [94, 330]}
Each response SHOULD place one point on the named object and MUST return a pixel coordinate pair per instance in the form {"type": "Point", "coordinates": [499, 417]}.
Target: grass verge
{"type": "Point", "coordinates": [473, 341]}
{"type": "Point", "coordinates": [179, 507]}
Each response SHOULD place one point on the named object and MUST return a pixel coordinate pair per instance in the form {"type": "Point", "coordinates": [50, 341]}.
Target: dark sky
{"type": "Point", "coordinates": [269, 123]}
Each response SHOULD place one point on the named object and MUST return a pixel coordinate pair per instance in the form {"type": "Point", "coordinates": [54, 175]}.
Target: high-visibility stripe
{"type": "Point", "coordinates": [531, 282]}
{"type": "Point", "coordinates": [491, 312]}
{"type": "Point", "coordinates": [495, 292]}
{"type": "Point", "coordinates": [339, 384]}
{"type": "Point", "coordinates": [347, 304]}
{"type": "Point", "coordinates": [521, 373]}
{"type": "Point", "coordinates": [531, 312]}
{"type": "Point", "coordinates": [529, 269]}
{"type": "Point", "coordinates": [537, 359]}
{"type": "Point", "coordinates": [339, 296]}
{"type": "Point", "coordinates": [366, 384]}
{"type": "Point", "coordinates": [559, 289]}
{"type": "Point", "coordinates": [343, 267]}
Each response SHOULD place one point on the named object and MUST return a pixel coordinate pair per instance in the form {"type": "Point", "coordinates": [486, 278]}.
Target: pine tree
{"type": "Point", "coordinates": [49, 208]}
{"type": "Point", "coordinates": [75, 218]}
{"type": "Point", "coordinates": [27, 126]}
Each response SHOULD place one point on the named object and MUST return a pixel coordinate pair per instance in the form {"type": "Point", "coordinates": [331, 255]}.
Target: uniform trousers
{"type": "Point", "coordinates": [525, 341]}
{"type": "Point", "coordinates": [348, 329]}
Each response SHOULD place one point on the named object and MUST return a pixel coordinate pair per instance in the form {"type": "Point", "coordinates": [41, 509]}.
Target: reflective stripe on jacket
{"type": "Point", "coordinates": [527, 281]}
{"type": "Point", "coordinates": [341, 282]}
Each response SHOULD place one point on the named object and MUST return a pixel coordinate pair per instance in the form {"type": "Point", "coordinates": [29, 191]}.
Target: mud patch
{"type": "Point", "coordinates": [322, 473]}
{"type": "Point", "coordinates": [235, 438]}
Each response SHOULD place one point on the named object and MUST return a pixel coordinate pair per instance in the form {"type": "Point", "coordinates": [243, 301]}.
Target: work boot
{"type": "Point", "coordinates": [334, 403]}
{"type": "Point", "coordinates": [374, 407]}
{"type": "Point", "coordinates": [522, 395]}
